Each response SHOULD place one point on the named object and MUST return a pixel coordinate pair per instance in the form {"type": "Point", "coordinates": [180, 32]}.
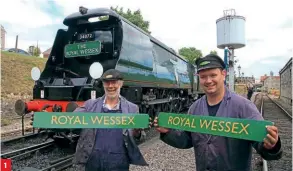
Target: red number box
{"type": "Point", "coordinates": [5, 164]}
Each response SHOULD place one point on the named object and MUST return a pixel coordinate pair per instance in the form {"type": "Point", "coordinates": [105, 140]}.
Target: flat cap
{"type": "Point", "coordinates": [208, 62]}
{"type": "Point", "coordinates": [112, 74]}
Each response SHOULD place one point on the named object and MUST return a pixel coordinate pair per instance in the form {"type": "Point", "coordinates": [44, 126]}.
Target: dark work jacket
{"type": "Point", "coordinates": [87, 137]}
{"type": "Point", "coordinates": [216, 153]}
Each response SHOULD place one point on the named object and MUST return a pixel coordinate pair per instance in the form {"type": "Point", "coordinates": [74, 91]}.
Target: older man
{"type": "Point", "coordinates": [218, 153]}
{"type": "Point", "coordinates": [108, 149]}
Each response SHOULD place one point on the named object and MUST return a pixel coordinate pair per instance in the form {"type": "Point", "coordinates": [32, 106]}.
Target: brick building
{"type": "Point", "coordinates": [262, 79]}
{"type": "Point", "coordinates": [3, 32]}
{"type": "Point", "coordinates": [286, 83]}
{"type": "Point", "coordinates": [245, 80]}
{"type": "Point", "coordinates": [46, 53]}
{"type": "Point", "coordinates": [271, 83]}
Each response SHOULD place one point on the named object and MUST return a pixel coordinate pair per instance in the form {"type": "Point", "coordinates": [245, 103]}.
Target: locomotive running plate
{"type": "Point", "coordinates": [82, 49]}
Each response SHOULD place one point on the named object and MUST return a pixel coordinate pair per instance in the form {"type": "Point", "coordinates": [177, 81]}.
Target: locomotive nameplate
{"type": "Point", "coordinates": [254, 130]}
{"type": "Point", "coordinates": [82, 49]}
{"type": "Point", "coordinates": [89, 120]}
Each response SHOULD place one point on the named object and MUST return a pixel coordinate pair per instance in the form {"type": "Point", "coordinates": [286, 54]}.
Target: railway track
{"type": "Point", "coordinates": [22, 142]}
{"type": "Point", "coordinates": [41, 156]}
{"type": "Point", "coordinates": [283, 120]}
{"type": "Point", "coordinates": [26, 137]}
{"type": "Point", "coordinates": [15, 154]}
{"type": "Point", "coordinates": [37, 153]}
{"type": "Point", "coordinates": [35, 150]}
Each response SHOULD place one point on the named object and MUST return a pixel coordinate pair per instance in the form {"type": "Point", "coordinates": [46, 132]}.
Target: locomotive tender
{"type": "Point", "coordinates": [155, 77]}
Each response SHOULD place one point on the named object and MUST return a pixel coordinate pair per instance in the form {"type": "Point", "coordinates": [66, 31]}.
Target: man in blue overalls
{"type": "Point", "coordinates": [216, 153]}
{"type": "Point", "coordinates": [108, 149]}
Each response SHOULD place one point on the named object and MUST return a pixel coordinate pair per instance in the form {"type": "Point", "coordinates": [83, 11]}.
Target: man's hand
{"type": "Point", "coordinates": [272, 137]}
{"type": "Point", "coordinates": [139, 134]}
{"type": "Point", "coordinates": [160, 129]}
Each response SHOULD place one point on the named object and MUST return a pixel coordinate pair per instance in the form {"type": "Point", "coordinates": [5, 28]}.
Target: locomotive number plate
{"type": "Point", "coordinates": [85, 36]}
{"type": "Point", "coordinates": [82, 49]}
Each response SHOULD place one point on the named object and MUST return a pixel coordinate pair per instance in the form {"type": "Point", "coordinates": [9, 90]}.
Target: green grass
{"type": "Point", "coordinates": [16, 72]}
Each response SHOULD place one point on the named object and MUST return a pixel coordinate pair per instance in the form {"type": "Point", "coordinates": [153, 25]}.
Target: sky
{"type": "Point", "coordinates": [185, 23]}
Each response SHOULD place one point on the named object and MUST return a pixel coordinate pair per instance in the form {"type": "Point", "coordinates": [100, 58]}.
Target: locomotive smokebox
{"type": "Point", "coordinates": [20, 107]}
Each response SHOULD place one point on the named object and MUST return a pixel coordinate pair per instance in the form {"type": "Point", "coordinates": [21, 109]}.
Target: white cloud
{"type": "Point", "coordinates": [192, 23]}
{"type": "Point", "coordinates": [267, 61]}
{"type": "Point", "coordinates": [26, 14]}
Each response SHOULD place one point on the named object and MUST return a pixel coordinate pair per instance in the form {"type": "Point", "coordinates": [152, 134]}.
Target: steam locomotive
{"type": "Point", "coordinates": [156, 78]}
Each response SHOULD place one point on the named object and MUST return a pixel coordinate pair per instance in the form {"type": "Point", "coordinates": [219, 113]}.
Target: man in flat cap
{"type": "Point", "coordinates": [108, 149]}
{"type": "Point", "coordinates": [219, 153]}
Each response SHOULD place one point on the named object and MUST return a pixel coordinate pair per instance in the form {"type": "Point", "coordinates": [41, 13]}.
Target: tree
{"type": "Point", "coordinates": [214, 52]}
{"type": "Point", "coordinates": [190, 53]}
{"type": "Point", "coordinates": [37, 51]}
{"type": "Point", "coordinates": [134, 17]}
{"type": "Point", "coordinates": [34, 51]}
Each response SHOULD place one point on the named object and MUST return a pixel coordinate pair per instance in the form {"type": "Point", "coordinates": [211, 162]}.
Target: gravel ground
{"type": "Point", "coordinates": [150, 134]}
{"type": "Point", "coordinates": [40, 160]}
{"type": "Point", "coordinates": [7, 147]}
{"type": "Point", "coordinates": [284, 124]}
{"type": "Point", "coordinates": [162, 157]}
{"type": "Point", "coordinates": [256, 162]}
{"type": "Point", "coordinates": [15, 128]}
{"type": "Point", "coordinates": [285, 105]}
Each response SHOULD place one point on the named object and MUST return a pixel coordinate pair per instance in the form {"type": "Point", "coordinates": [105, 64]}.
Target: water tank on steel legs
{"type": "Point", "coordinates": [230, 30]}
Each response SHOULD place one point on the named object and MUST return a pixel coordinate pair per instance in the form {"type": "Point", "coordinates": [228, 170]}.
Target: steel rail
{"type": "Point", "coordinates": [63, 163]}
{"type": "Point", "coordinates": [65, 166]}
{"type": "Point", "coordinates": [265, 164]}
{"type": "Point", "coordinates": [23, 150]}
{"type": "Point", "coordinates": [31, 151]}
{"type": "Point", "coordinates": [20, 138]}
{"type": "Point", "coordinates": [58, 160]}
{"type": "Point", "coordinates": [284, 110]}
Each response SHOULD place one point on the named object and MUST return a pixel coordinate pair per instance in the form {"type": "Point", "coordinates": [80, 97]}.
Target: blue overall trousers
{"type": "Point", "coordinates": [109, 152]}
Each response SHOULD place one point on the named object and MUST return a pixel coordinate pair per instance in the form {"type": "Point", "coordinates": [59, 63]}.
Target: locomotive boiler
{"type": "Point", "coordinates": [156, 78]}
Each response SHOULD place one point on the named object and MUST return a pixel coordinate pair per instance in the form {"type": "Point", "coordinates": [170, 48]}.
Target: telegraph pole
{"type": "Point", "coordinates": [16, 44]}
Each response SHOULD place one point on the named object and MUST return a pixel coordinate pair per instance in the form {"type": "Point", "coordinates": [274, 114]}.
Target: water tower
{"type": "Point", "coordinates": [230, 36]}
